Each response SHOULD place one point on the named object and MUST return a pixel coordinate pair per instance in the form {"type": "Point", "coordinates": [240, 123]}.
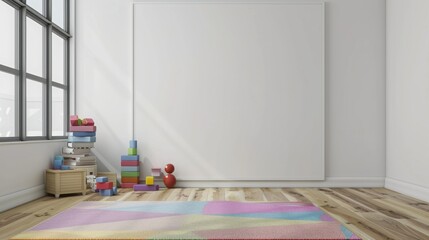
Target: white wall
{"type": "Point", "coordinates": [22, 168]}
{"type": "Point", "coordinates": [408, 97]}
{"type": "Point", "coordinates": [355, 86]}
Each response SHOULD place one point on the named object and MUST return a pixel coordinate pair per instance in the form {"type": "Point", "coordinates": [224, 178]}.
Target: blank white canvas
{"type": "Point", "coordinates": [230, 91]}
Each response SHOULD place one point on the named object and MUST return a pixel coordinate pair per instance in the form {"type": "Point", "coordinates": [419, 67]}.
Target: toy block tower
{"type": "Point", "coordinates": [130, 166]}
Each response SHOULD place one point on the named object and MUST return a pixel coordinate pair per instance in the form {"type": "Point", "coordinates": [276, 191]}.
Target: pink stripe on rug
{"type": "Point", "coordinates": [248, 207]}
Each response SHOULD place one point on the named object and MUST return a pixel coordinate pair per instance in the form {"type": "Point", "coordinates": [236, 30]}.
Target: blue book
{"type": "Point", "coordinates": [73, 139]}
{"type": "Point", "coordinates": [82, 134]}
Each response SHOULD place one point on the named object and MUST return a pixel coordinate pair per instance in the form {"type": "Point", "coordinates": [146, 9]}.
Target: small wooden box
{"type": "Point", "coordinates": [59, 182]}
{"type": "Point", "coordinates": [111, 176]}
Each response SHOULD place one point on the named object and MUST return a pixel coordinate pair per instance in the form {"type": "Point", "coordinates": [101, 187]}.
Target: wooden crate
{"type": "Point", "coordinates": [111, 176]}
{"type": "Point", "coordinates": [59, 182]}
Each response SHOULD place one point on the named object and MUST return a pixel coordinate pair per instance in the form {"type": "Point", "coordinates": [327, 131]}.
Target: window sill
{"type": "Point", "coordinates": [33, 141]}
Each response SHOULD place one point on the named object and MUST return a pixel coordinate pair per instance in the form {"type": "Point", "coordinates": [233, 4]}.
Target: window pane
{"type": "Point", "coordinates": [58, 11]}
{"type": "Point", "coordinates": [58, 112]}
{"type": "Point", "coordinates": [8, 105]}
{"type": "Point", "coordinates": [58, 47]}
{"type": "Point", "coordinates": [36, 48]}
{"type": "Point", "coordinates": [8, 39]}
{"type": "Point", "coordinates": [36, 108]}
{"type": "Point", "coordinates": [37, 5]}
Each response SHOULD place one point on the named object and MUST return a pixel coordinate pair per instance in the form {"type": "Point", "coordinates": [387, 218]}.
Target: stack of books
{"type": "Point", "coordinates": [77, 153]}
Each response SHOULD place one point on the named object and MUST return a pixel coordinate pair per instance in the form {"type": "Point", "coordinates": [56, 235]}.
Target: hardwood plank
{"type": "Point", "coordinates": [274, 195]}
{"type": "Point", "coordinates": [219, 194]}
{"type": "Point", "coordinates": [396, 229]}
{"type": "Point", "coordinates": [371, 204]}
{"type": "Point", "coordinates": [196, 194]}
{"type": "Point", "coordinates": [357, 207]}
{"type": "Point", "coordinates": [254, 194]}
{"type": "Point", "coordinates": [234, 194]}
{"type": "Point", "coordinates": [298, 196]}
{"type": "Point", "coordinates": [405, 199]}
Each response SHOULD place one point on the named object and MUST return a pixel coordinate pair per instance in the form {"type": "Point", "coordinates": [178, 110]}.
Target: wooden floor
{"type": "Point", "coordinates": [371, 213]}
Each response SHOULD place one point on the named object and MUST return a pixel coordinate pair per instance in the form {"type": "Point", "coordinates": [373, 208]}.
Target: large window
{"type": "Point", "coordinates": [34, 69]}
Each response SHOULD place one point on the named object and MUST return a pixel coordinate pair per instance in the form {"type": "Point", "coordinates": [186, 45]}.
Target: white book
{"type": "Point", "coordinates": [71, 162]}
{"type": "Point", "coordinates": [67, 150]}
{"type": "Point", "coordinates": [81, 158]}
{"type": "Point", "coordinates": [74, 155]}
{"type": "Point", "coordinates": [80, 144]}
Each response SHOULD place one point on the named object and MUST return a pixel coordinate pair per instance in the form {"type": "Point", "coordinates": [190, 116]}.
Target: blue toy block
{"type": "Point", "coordinates": [82, 134]}
{"type": "Point", "coordinates": [81, 139]}
{"type": "Point", "coordinates": [58, 162]}
{"type": "Point", "coordinates": [133, 144]}
{"type": "Point", "coordinates": [101, 179]}
{"type": "Point", "coordinates": [130, 169]}
{"type": "Point", "coordinates": [115, 190]}
{"type": "Point", "coordinates": [106, 192]}
{"type": "Point", "coordinates": [130, 157]}
{"type": "Point", "coordinates": [65, 167]}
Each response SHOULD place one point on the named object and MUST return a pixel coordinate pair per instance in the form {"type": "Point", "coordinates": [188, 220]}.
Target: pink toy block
{"type": "Point", "coordinates": [88, 122]}
{"type": "Point", "coordinates": [74, 120]}
{"type": "Point", "coordinates": [144, 187]}
{"type": "Point", "coordinates": [104, 185]}
{"type": "Point", "coordinates": [83, 128]}
{"type": "Point", "coordinates": [128, 185]}
{"type": "Point", "coordinates": [156, 172]}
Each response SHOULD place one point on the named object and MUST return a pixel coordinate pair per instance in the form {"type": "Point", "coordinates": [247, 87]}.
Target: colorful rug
{"type": "Point", "coordinates": [190, 220]}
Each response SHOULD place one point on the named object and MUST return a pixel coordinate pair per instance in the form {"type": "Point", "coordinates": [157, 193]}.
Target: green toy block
{"type": "Point", "coordinates": [132, 151]}
{"type": "Point", "coordinates": [130, 174]}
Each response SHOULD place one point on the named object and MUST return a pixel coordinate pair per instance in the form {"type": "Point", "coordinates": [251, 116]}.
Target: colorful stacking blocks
{"type": "Point", "coordinates": [130, 166]}
{"type": "Point", "coordinates": [104, 187]}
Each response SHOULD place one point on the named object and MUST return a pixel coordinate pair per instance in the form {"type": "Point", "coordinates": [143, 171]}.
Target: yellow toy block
{"type": "Point", "coordinates": [149, 180]}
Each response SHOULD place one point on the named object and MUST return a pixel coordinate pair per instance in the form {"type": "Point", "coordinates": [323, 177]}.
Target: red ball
{"type": "Point", "coordinates": [169, 180]}
{"type": "Point", "coordinates": [169, 168]}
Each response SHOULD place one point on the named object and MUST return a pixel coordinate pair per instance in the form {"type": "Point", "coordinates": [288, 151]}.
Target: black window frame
{"type": "Point", "coordinates": [45, 19]}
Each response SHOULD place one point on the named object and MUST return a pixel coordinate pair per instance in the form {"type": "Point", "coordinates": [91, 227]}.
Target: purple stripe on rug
{"type": "Point", "coordinates": [248, 207]}
{"type": "Point", "coordinates": [77, 217]}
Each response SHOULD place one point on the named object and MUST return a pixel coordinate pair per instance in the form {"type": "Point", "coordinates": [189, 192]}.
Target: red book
{"type": "Point", "coordinates": [129, 163]}
{"type": "Point", "coordinates": [83, 128]}
{"type": "Point", "coordinates": [104, 185]}
{"type": "Point", "coordinates": [130, 180]}
{"type": "Point", "coordinates": [128, 185]}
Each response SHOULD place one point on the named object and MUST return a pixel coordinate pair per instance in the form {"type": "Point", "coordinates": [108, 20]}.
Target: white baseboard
{"type": "Point", "coordinates": [409, 189]}
{"type": "Point", "coordinates": [17, 198]}
{"type": "Point", "coordinates": [334, 182]}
